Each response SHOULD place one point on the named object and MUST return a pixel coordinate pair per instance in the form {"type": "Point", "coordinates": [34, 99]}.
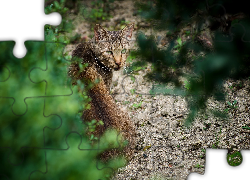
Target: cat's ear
{"type": "Point", "coordinates": [100, 32]}
{"type": "Point", "coordinates": [127, 31]}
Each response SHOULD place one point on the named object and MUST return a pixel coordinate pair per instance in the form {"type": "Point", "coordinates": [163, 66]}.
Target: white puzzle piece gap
{"type": "Point", "coordinates": [217, 168]}
{"type": "Point", "coordinates": [23, 20]}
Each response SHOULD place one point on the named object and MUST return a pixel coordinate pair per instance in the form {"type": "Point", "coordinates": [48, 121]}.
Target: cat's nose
{"type": "Point", "coordinates": [118, 63]}
{"type": "Point", "coordinates": [118, 66]}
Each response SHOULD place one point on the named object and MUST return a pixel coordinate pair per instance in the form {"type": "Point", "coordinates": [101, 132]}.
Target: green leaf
{"type": "Point", "coordinates": [179, 41]}
{"type": "Point", "coordinates": [132, 91]}
{"type": "Point", "coordinates": [92, 137]}
{"type": "Point", "coordinates": [101, 123]}
{"type": "Point", "coordinates": [93, 121]}
{"type": "Point", "coordinates": [229, 103]}
{"type": "Point", "coordinates": [132, 78]}
{"type": "Point", "coordinates": [137, 105]}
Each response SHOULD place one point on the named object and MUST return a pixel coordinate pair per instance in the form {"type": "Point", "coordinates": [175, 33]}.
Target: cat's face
{"type": "Point", "coordinates": [113, 46]}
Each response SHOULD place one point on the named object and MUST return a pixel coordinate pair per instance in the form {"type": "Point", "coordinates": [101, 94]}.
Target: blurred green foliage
{"type": "Point", "coordinates": [61, 32]}
{"type": "Point", "coordinates": [94, 12]}
{"type": "Point", "coordinates": [205, 72]}
{"type": "Point", "coordinates": [99, 11]}
{"type": "Point", "coordinates": [59, 6]}
{"type": "Point", "coordinates": [42, 135]}
{"type": "Point", "coordinates": [47, 121]}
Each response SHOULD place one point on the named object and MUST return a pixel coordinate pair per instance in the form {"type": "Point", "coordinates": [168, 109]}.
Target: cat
{"type": "Point", "coordinates": [105, 53]}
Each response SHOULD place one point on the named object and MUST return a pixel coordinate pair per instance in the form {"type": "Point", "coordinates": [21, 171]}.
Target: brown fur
{"type": "Point", "coordinates": [106, 52]}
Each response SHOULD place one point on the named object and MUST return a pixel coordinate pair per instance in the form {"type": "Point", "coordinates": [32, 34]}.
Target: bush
{"type": "Point", "coordinates": [216, 50]}
{"type": "Point", "coordinates": [42, 135]}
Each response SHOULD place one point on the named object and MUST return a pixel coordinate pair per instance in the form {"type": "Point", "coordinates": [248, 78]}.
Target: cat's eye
{"type": "Point", "coordinates": [109, 52]}
{"type": "Point", "coordinates": [123, 51]}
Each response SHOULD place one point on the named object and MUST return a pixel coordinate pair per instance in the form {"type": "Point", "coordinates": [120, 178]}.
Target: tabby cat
{"type": "Point", "coordinates": [106, 52]}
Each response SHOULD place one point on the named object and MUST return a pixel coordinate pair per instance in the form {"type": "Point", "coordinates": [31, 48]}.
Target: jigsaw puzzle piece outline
{"type": "Point", "coordinates": [27, 134]}
{"type": "Point", "coordinates": [14, 75]}
{"type": "Point", "coordinates": [52, 70]}
{"type": "Point", "coordinates": [34, 32]}
{"type": "Point", "coordinates": [215, 160]}
{"type": "Point", "coordinates": [36, 85]}
{"type": "Point", "coordinates": [11, 123]}
{"type": "Point", "coordinates": [82, 150]}
{"type": "Point", "coordinates": [27, 105]}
